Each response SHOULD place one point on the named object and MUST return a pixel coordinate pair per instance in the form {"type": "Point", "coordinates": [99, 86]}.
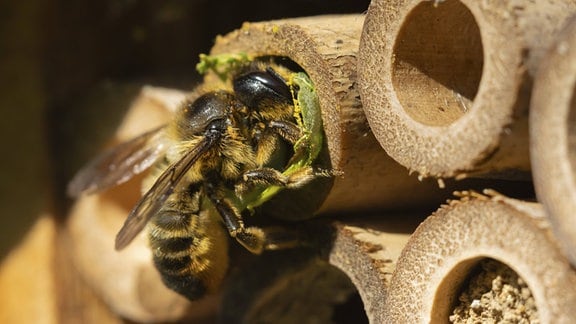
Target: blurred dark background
{"type": "Point", "coordinates": [69, 68]}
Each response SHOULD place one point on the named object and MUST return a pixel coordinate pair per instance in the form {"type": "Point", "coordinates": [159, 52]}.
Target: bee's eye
{"type": "Point", "coordinates": [261, 87]}
{"type": "Point", "coordinates": [202, 112]}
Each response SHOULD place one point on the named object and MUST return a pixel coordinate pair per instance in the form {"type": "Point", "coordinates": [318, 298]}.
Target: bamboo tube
{"type": "Point", "coordinates": [446, 84]}
{"type": "Point", "coordinates": [326, 47]}
{"type": "Point", "coordinates": [442, 252]}
{"type": "Point", "coordinates": [553, 137]}
{"type": "Point", "coordinates": [367, 253]}
{"type": "Point", "coordinates": [299, 288]}
{"type": "Point", "coordinates": [310, 284]}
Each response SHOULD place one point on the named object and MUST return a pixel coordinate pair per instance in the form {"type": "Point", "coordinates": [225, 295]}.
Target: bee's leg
{"type": "Point", "coordinates": [294, 135]}
{"type": "Point", "coordinates": [252, 238]}
{"type": "Point", "coordinates": [287, 130]}
{"type": "Point", "coordinates": [273, 177]}
{"type": "Point", "coordinates": [278, 238]}
{"type": "Point", "coordinates": [256, 239]}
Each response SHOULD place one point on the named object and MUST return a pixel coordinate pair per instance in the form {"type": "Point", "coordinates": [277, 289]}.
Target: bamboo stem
{"type": "Point", "coordinates": [349, 259]}
{"type": "Point", "coordinates": [451, 80]}
{"type": "Point", "coordinates": [368, 253]}
{"type": "Point", "coordinates": [442, 252]}
{"type": "Point", "coordinates": [326, 47]}
{"type": "Point", "coordinates": [553, 137]}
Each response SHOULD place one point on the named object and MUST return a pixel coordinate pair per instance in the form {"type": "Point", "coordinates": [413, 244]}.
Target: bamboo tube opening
{"type": "Point", "coordinates": [463, 247]}
{"type": "Point", "coordinates": [367, 253]}
{"type": "Point", "coordinates": [344, 278]}
{"type": "Point", "coordinates": [446, 84]}
{"type": "Point", "coordinates": [478, 288]}
{"type": "Point", "coordinates": [454, 281]}
{"type": "Point", "coordinates": [300, 288]}
{"type": "Point", "coordinates": [438, 62]}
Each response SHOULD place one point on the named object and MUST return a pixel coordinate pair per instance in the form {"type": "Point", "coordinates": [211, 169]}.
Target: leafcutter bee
{"type": "Point", "coordinates": [225, 152]}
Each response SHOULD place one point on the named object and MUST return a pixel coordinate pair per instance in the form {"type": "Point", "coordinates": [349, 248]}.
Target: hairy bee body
{"type": "Point", "coordinates": [225, 153]}
{"type": "Point", "coordinates": [189, 244]}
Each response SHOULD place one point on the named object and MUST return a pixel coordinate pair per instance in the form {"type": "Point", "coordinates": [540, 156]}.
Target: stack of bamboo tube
{"type": "Point", "coordinates": [466, 88]}
{"type": "Point", "coordinates": [442, 89]}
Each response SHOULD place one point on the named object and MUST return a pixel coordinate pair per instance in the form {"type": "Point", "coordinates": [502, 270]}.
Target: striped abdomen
{"type": "Point", "coordinates": [189, 248]}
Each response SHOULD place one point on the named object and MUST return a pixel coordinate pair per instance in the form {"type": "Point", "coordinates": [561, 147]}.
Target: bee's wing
{"type": "Point", "coordinates": [153, 200]}
{"type": "Point", "coordinates": [119, 164]}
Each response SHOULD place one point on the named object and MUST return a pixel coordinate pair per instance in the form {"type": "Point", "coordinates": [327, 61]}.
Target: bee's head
{"type": "Point", "coordinates": [209, 112]}
{"type": "Point", "coordinates": [261, 90]}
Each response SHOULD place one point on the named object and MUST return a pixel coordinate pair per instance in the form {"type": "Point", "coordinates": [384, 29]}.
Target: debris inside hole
{"type": "Point", "coordinates": [494, 293]}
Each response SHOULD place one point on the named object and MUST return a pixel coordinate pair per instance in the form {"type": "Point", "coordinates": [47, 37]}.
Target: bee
{"type": "Point", "coordinates": [225, 153]}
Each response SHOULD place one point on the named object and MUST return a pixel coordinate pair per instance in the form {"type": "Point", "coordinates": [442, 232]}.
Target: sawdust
{"type": "Point", "coordinates": [495, 294]}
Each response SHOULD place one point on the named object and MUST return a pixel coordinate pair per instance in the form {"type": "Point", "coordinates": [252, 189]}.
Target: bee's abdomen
{"type": "Point", "coordinates": [177, 253]}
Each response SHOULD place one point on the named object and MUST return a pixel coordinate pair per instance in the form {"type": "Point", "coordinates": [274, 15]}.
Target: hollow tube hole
{"type": "Point", "coordinates": [438, 62]}
{"type": "Point", "coordinates": [482, 288]}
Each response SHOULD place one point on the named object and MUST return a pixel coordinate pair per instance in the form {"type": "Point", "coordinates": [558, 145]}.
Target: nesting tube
{"type": "Point", "coordinates": [326, 48]}
{"type": "Point", "coordinates": [446, 84]}
{"type": "Point", "coordinates": [481, 241]}
{"type": "Point", "coordinates": [367, 252]}
{"type": "Point", "coordinates": [346, 274]}
{"type": "Point", "coordinates": [553, 137]}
